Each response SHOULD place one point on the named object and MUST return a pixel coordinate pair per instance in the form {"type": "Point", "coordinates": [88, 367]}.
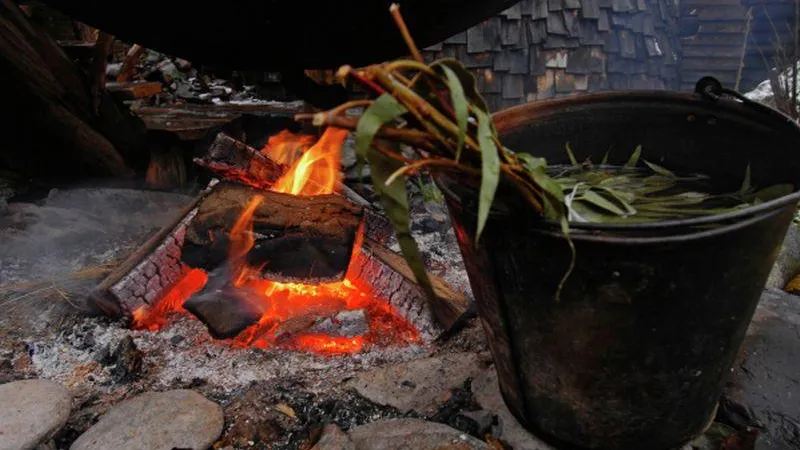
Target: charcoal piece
{"type": "Point", "coordinates": [125, 361]}
{"type": "Point", "coordinates": [590, 9]}
{"type": "Point", "coordinates": [293, 257]}
{"type": "Point", "coordinates": [346, 323]}
{"type": "Point", "coordinates": [224, 309]}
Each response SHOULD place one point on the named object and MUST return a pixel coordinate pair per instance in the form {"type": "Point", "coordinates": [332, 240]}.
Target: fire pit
{"type": "Point", "coordinates": [280, 254]}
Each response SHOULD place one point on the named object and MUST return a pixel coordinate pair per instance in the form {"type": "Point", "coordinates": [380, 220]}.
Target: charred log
{"type": "Point", "coordinates": [296, 238]}
{"type": "Point", "coordinates": [235, 160]}
{"type": "Point", "coordinates": [226, 310]}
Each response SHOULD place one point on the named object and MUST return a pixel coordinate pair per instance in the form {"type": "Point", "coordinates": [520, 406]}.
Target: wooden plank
{"type": "Point", "coordinates": [134, 90]}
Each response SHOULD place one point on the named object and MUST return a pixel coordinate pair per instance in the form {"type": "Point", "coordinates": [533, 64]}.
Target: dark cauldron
{"type": "Point", "coordinates": [635, 354]}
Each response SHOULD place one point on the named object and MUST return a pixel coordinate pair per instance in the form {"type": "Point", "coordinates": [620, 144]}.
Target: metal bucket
{"type": "Point", "coordinates": [635, 353]}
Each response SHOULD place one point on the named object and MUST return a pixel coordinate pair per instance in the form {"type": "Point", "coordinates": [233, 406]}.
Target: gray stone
{"type": "Point", "coordinates": [407, 434]}
{"type": "Point", "coordinates": [788, 263]}
{"type": "Point", "coordinates": [333, 439]}
{"type": "Point", "coordinates": [31, 411]}
{"type": "Point", "coordinates": [487, 394]}
{"type": "Point", "coordinates": [156, 421]}
{"type": "Point", "coordinates": [764, 380]}
{"type": "Point", "coordinates": [421, 385]}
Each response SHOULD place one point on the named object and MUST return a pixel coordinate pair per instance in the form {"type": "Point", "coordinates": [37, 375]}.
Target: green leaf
{"type": "Point", "coordinates": [531, 162]}
{"type": "Point", "coordinates": [490, 170]}
{"type": "Point", "coordinates": [380, 112]}
{"type": "Point", "coordinates": [394, 200]}
{"type": "Point", "coordinates": [634, 157]}
{"type": "Point", "coordinates": [467, 80]}
{"type": "Point", "coordinates": [659, 170]}
{"type": "Point", "coordinates": [605, 160]}
{"type": "Point", "coordinates": [460, 106]}
{"type": "Point", "coordinates": [746, 186]}
{"type": "Point", "coordinates": [571, 155]}
{"type": "Point", "coordinates": [601, 202]}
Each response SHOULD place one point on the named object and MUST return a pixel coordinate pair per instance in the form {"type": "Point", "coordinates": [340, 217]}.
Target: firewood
{"type": "Point", "coordinates": [134, 90]}
{"type": "Point", "coordinates": [97, 72]}
{"type": "Point", "coordinates": [129, 65]}
{"type": "Point", "coordinates": [300, 238]}
{"type": "Point", "coordinates": [229, 157]}
{"type": "Point", "coordinates": [391, 278]}
{"type": "Point", "coordinates": [225, 309]}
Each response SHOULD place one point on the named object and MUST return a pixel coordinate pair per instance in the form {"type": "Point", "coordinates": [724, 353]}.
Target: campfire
{"type": "Point", "coordinates": [275, 255]}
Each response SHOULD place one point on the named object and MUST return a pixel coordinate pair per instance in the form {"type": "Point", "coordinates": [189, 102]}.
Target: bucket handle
{"type": "Point", "coordinates": [711, 89]}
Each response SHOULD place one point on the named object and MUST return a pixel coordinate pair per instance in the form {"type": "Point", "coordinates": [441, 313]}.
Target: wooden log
{"type": "Point", "coordinates": [47, 105]}
{"type": "Point", "coordinates": [391, 278]}
{"type": "Point", "coordinates": [129, 64]}
{"type": "Point", "coordinates": [134, 90]}
{"type": "Point", "coordinates": [296, 238]}
{"type": "Point", "coordinates": [237, 161]}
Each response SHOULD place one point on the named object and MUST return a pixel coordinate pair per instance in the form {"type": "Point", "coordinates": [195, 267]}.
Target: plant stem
{"type": "Point", "coordinates": [423, 110]}
{"type": "Point", "coordinates": [347, 71]}
{"type": "Point", "coordinates": [401, 24]}
{"type": "Point", "coordinates": [414, 167]}
{"type": "Point", "coordinates": [414, 138]}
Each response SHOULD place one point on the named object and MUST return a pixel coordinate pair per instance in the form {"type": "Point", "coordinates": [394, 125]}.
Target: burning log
{"type": "Point", "coordinates": [296, 238]}
{"type": "Point", "coordinates": [237, 161]}
{"type": "Point", "coordinates": [392, 279]}
{"type": "Point", "coordinates": [226, 310]}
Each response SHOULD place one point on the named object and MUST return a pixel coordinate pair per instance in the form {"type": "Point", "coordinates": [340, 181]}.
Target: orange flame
{"type": "Point", "coordinates": [316, 171]}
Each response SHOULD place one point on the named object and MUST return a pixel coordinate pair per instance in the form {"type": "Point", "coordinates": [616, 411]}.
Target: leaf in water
{"type": "Point", "coordinates": [571, 155]}
{"type": "Point", "coordinates": [634, 157]}
{"type": "Point", "coordinates": [490, 170]}
{"type": "Point", "coordinates": [460, 105]}
{"type": "Point", "coordinates": [379, 113]}
{"type": "Point", "coordinates": [623, 199]}
{"type": "Point", "coordinates": [659, 170]}
{"type": "Point", "coordinates": [746, 186]}
{"type": "Point", "coordinates": [394, 200]}
{"type": "Point", "coordinates": [601, 202]}
{"type": "Point", "coordinates": [605, 160]}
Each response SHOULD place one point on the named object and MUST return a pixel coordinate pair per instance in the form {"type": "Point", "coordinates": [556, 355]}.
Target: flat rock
{"type": "Point", "coordinates": [333, 438]}
{"type": "Point", "coordinates": [31, 411]}
{"type": "Point", "coordinates": [156, 421]}
{"type": "Point", "coordinates": [487, 394]}
{"type": "Point", "coordinates": [764, 380]}
{"type": "Point", "coordinates": [407, 434]}
{"type": "Point", "coordinates": [420, 385]}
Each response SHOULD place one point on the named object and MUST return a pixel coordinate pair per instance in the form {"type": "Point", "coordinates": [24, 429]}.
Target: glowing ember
{"type": "Point", "coordinates": [314, 171]}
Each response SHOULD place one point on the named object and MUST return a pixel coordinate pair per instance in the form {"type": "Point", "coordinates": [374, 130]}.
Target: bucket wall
{"type": "Point", "coordinates": [635, 353]}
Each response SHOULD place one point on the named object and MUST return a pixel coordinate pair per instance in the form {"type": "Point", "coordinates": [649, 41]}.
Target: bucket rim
{"type": "Point", "coordinates": [515, 116]}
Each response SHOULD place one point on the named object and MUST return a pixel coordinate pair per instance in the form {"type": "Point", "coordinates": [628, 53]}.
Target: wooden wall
{"type": "Point", "coordinates": [540, 49]}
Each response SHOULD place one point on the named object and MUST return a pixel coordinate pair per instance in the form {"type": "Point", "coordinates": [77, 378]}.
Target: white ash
{"type": "Point", "coordinates": [183, 352]}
